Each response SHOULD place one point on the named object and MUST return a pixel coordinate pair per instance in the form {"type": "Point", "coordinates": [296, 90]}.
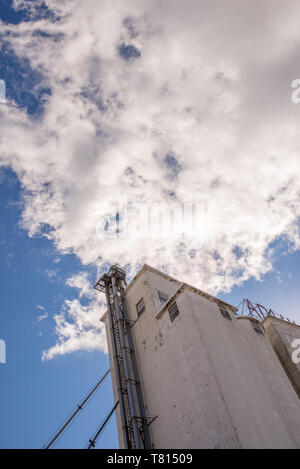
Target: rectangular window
{"type": "Point", "coordinates": [163, 297]}
{"type": "Point", "coordinates": [224, 312]}
{"type": "Point", "coordinates": [173, 311]}
{"type": "Point", "coordinates": [257, 328]}
{"type": "Point", "coordinates": [140, 307]}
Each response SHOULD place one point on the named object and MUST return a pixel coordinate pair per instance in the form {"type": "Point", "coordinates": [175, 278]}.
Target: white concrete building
{"type": "Point", "coordinates": [210, 379]}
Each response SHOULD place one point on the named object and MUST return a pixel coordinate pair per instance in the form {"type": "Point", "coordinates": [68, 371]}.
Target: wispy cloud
{"type": "Point", "coordinates": [44, 315]}
{"type": "Point", "coordinates": [81, 282]}
{"type": "Point", "coordinates": [51, 273]}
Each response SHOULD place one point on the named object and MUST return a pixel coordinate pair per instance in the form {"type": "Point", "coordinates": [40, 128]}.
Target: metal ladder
{"type": "Point", "coordinates": [128, 429]}
{"type": "Point", "coordinates": [132, 409]}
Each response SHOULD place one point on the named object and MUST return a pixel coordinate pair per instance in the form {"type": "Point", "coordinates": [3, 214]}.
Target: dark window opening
{"type": "Point", "coordinates": [173, 312]}
{"type": "Point", "coordinates": [257, 328]}
{"type": "Point", "coordinates": [224, 312]}
{"type": "Point", "coordinates": [140, 307]}
{"type": "Point", "coordinates": [163, 297]}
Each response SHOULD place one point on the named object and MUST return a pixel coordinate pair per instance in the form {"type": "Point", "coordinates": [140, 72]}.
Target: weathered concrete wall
{"type": "Point", "coordinates": [203, 377]}
{"type": "Point", "coordinates": [179, 383]}
{"type": "Point", "coordinates": [280, 393]}
{"type": "Point", "coordinates": [281, 335]}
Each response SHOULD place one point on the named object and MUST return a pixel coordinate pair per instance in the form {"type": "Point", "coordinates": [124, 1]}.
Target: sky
{"type": "Point", "coordinates": [113, 108]}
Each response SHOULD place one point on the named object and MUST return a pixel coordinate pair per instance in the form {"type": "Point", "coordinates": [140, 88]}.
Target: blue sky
{"type": "Point", "coordinates": [35, 271]}
{"type": "Point", "coordinates": [37, 396]}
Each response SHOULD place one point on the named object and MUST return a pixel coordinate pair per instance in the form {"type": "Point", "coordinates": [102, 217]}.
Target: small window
{"type": "Point", "coordinates": [140, 307]}
{"type": "Point", "coordinates": [173, 311]}
{"type": "Point", "coordinates": [257, 328]}
{"type": "Point", "coordinates": [163, 297]}
{"type": "Point", "coordinates": [224, 312]}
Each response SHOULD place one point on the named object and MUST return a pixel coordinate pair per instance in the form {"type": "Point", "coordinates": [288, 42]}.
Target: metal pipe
{"type": "Point", "coordinates": [117, 370]}
{"type": "Point", "coordinates": [139, 392]}
{"type": "Point", "coordinates": [132, 407]}
{"type": "Point", "coordinates": [93, 441]}
{"type": "Point", "coordinates": [79, 407]}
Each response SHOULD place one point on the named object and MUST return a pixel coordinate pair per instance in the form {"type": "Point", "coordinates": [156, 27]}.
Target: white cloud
{"type": "Point", "coordinates": [81, 282]}
{"type": "Point", "coordinates": [51, 274]}
{"type": "Point", "coordinates": [78, 326]}
{"type": "Point", "coordinates": [41, 317]}
{"type": "Point", "coordinates": [211, 86]}
{"type": "Point", "coordinates": [44, 315]}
